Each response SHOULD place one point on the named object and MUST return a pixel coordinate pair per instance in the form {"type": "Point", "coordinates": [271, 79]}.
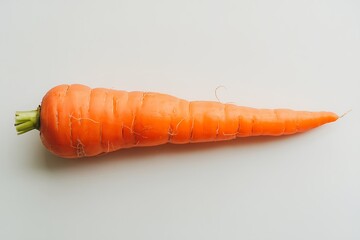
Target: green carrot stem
{"type": "Point", "coordinates": [27, 120]}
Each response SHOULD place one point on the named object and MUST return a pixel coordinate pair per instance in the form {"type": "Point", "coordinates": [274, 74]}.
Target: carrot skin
{"type": "Point", "coordinates": [77, 121]}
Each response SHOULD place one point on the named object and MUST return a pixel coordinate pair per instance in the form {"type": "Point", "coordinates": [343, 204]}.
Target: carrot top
{"type": "Point", "coordinates": [27, 120]}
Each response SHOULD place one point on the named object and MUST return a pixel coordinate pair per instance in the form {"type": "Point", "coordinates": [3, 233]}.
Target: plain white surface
{"type": "Point", "coordinates": [294, 54]}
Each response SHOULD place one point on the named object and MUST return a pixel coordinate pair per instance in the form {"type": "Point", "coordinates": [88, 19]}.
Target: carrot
{"type": "Point", "coordinates": [77, 121]}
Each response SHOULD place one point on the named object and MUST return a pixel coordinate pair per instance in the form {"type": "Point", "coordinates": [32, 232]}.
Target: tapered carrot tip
{"type": "Point", "coordinates": [313, 120]}
{"type": "Point", "coordinates": [76, 121]}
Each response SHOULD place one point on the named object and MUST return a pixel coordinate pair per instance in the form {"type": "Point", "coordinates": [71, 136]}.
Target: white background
{"type": "Point", "coordinates": [296, 54]}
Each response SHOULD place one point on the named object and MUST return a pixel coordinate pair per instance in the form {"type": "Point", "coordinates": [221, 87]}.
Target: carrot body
{"type": "Point", "coordinates": [77, 121]}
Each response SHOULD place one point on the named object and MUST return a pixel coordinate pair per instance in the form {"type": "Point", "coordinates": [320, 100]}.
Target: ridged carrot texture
{"type": "Point", "coordinates": [77, 121]}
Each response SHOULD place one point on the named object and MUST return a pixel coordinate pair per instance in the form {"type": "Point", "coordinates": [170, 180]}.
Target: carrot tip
{"type": "Point", "coordinates": [27, 120]}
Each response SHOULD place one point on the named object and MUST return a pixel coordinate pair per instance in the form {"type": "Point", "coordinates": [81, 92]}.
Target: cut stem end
{"type": "Point", "coordinates": [27, 120]}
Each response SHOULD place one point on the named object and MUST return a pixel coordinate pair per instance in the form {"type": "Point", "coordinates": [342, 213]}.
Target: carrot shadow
{"type": "Point", "coordinates": [49, 162]}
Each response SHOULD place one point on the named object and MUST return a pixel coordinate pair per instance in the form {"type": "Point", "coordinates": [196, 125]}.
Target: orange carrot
{"type": "Point", "coordinates": [77, 121]}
